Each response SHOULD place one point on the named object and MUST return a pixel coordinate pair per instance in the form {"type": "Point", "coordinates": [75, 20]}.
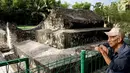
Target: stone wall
{"type": "Point", "coordinates": [3, 44]}
{"type": "Point", "coordinates": [71, 38]}
{"type": "Point", "coordinates": [18, 35]}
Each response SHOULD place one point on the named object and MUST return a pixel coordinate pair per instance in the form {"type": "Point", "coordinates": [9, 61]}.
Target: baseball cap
{"type": "Point", "coordinates": [115, 31]}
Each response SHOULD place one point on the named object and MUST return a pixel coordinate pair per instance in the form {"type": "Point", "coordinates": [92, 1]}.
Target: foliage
{"type": "Point", "coordinates": [98, 9]}
{"type": "Point", "coordinates": [112, 15]}
{"type": "Point", "coordinates": [65, 5]}
{"type": "Point", "coordinates": [33, 11]}
{"type": "Point", "coordinates": [84, 5]}
{"type": "Point", "coordinates": [26, 27]}
{"type": "Point", "coordinates": [26, 11]}
{"type": "Point", "coordinates": [125, 21]}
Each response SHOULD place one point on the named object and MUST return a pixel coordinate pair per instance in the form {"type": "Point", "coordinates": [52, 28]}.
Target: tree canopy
{"type": "Point", "coordinates": [81, 5]}
{"type": "Point", "coordinates": [31, 12]}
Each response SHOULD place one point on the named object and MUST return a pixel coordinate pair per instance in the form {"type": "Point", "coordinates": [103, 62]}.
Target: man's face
{"type": "Point", "coordinates": [113, 41]}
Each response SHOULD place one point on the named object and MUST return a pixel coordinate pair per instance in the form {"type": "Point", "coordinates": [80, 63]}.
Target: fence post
{"type": "Point", "coordinates": [27, 65]}
{"type": "Point", "coordinates": [82, 57]}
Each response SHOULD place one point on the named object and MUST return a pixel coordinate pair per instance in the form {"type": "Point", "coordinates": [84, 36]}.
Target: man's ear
{"type": "Point", "coordinates": [120, 39]}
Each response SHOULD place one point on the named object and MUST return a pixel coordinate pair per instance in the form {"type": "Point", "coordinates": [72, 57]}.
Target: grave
{"type": "Point", "coordinates": [58, 43]}
{"type": "Point", "coordinates": [65, 28]}
{"type": "Point", "coordinates": [64, 34]}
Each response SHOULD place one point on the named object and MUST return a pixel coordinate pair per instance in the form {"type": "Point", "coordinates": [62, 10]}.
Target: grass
{"type": "Point", "coordinates": [25, 27]}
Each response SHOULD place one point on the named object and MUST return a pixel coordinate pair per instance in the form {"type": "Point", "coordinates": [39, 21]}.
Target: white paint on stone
{"type": "Point", "coordinates": [8, 37]}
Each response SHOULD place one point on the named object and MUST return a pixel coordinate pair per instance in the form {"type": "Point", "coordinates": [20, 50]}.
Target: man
{"type": "Point", "coordinates": [116, 52]}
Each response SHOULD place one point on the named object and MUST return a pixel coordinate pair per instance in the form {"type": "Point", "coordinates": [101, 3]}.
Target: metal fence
{"type": "Point", "coordinates": [8, 64]}
{"type": "Point", "coordinates": [94, 62]}
{"type": "Point", "coordinates": [87, 62]}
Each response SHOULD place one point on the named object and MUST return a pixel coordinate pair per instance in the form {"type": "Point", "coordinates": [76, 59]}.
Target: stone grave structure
{"type": "Point", "coordinates": [64, 34]}
{"type": "Point", "coordinates": [65, 28]}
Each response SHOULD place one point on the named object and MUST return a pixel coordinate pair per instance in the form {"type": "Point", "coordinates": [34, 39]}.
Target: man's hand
{"type": "Point", "coordinates": [104, 51]}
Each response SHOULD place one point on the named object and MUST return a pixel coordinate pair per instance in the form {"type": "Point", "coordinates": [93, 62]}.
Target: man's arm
{"type": "Point", "coordinates": [119, 64]}
{"type": "Point", "coordinates": [104, 53]}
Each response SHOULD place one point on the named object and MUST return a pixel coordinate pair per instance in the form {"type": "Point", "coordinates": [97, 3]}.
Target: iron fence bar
{"type": "Point", "coordinates": [26, 60]}
{"type": "Point", "coordinates": [27, 65]}
{"type": "Point", "coordinates": [82, 56]}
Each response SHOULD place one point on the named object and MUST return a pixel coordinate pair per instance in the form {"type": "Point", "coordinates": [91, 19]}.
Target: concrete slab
{"type": "Point", "coordinates": [44, 54]}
